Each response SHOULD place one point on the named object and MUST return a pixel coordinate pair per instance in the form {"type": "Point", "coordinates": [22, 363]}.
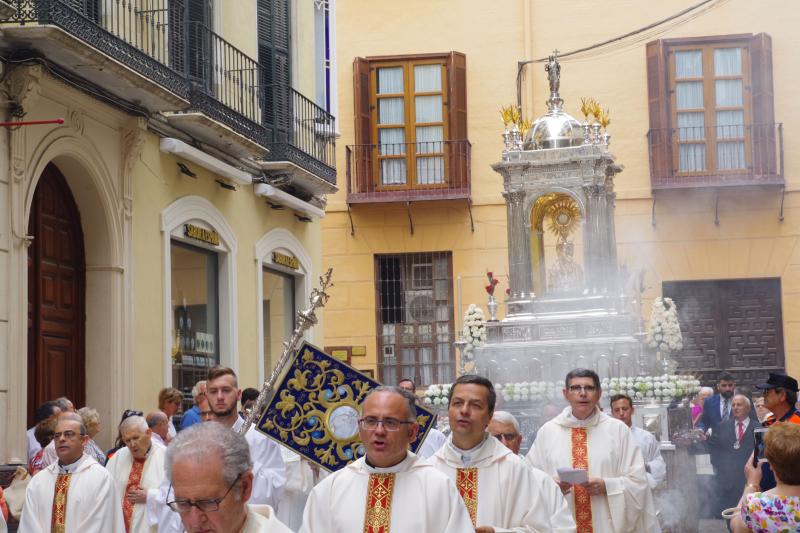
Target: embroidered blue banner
{"type": "Point", "coordinates": [315, 408]}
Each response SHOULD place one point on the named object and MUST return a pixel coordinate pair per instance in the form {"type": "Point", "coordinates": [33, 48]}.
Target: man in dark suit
{"type": "Point", "coordinates": [718, 407]}
{"type": "Point", "coordinates": [730, 445]}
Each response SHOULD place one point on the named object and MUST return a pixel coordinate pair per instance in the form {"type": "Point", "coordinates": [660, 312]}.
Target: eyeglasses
{"type": "Point", "coordinates": [69, 435]}
{"type": "Point", "coordinates": [370, 423]}
{"type": "Point", "coordinates": [506, 436]}
{"type": "Point", "coordinates": [127, 413]}
{"type": "Point", "coordinates": [584, 388]}
{"type": "Point", "coordinates": [205, 506]}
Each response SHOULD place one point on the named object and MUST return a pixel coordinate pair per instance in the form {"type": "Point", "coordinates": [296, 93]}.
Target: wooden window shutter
{"type": "Point", "coordinates": [763, 133]}
{"type": "Point", "coordinates": [660, 134]}
{"type": "Point", "coordinates": [457, 119]}
{"type": "Point", "coordinates": [363, 150]}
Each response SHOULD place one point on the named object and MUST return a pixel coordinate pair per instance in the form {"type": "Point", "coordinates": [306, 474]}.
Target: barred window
{"type": "Point", "coordinates": [415, 317]}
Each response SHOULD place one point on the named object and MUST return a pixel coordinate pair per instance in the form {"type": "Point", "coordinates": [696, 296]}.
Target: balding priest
{"type": "Point", "coordinates": [596, 461]}
{"type": "Point", "coordinates": [500, 491]}
{"type": "Point", "coordinates": [136, 468]}
{"type": "Point", "coordinates": [390, 489]}
{"type": "Point", "coordinates": [74, 494]}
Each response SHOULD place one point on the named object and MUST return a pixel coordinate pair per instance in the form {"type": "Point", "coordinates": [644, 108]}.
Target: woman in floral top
{"type": "Point", "coordinates": [776, 510]}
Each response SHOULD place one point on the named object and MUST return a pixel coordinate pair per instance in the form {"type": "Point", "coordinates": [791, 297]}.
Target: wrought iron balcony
{"type": "Point", "coordinates": [408, 172]}
{"type": "Point", "coordinates": [714, 156]}
{"type": "Point", "coordinates": [144, 51]}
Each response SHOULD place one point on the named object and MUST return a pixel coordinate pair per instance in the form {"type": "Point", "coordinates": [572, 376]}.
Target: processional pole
{"type": "Point", "coordinates": [305, 319]}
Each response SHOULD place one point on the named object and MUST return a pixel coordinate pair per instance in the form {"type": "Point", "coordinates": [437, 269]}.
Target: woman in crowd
{"type": "Point", "coordinates": [43, 433]}
{"type": "Point", "coordinates": [697, 404]}
{"type": "Point", "coordinates": [170, 401]}
{"type": "Point", "coordinates": [91, 420]}
{"type": "Point", "coordinates": [777, 509]}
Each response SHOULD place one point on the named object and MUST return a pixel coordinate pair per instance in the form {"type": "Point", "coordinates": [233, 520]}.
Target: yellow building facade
{"type": "Point", "coordinates": [171, 220]}
{"type": "Point", "coordinates": [721, 241]}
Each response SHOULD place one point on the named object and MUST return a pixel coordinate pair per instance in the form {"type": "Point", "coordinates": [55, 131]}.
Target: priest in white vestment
{"type": "Point", "coordinates": [211, 473]}
{"type": "Point", "coordinates": [501, 493]}
{"type": "Point", "coordinates": [300, 479]}
{"type": "Point", "coordinates": [616, 497]}
{"type": "Point", "coordinates": [136, 468]}
{"type": "Point", "coordinates": [622, 409]}
{"type": "Point", "coordinates": [269, 471]}
{"type": "Point", "coordinates": [75, 494]}
{"type": "Point", "coordinates": [390, 489]}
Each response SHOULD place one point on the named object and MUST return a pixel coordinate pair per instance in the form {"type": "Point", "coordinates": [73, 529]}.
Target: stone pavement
{"type": "Point", "coordinates": [712, 526]}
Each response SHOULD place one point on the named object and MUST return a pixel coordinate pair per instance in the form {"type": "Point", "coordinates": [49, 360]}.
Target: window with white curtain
{"type": "Point", "coordinates": [710, 109]}
{"type": "Point", "coordinates": [409, 122]}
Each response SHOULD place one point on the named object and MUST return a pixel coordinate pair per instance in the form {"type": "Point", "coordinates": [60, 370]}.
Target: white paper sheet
{"type": "Point", "coordinates": [574, 476]}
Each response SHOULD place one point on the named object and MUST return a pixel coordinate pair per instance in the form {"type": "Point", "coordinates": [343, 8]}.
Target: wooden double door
{"type": "Point", "coordinates": [56, 295]}
{"type": "Point", "coordinates": [730, 325]}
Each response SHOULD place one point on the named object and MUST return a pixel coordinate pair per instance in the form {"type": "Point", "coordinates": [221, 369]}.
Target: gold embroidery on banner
{"type": "Point", "coordinates": [59, 518]}
{"type": "Point", "coordinates": [583, 500]}
{"type": "Point", "coordinates": [378, 515]}
{"type": "Point", "coordinates": [467, 483]}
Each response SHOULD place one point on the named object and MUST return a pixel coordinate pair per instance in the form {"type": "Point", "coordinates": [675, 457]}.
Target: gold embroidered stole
{"type": "Point", "coordinates": [134, 478]}
{"type": "Point", "coordinates": [467, 483]}
{"type": "Point", "coordinates": [378, 515]}
{"type": "Point", "coordinates": [59, 518]}
{"type": "Point", "coordinates": [583, 500]}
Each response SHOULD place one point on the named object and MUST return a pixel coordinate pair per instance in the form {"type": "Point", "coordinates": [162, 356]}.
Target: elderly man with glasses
{"type": "Point", "coordinates": [390, 489]}
{"type": "Point", "coordinates": [596, 461]}
{"type": "Point", "coordinates": [75, 494]}
{"type": "Point", "coordinates": [500, 491]}
{"type": "Point", "coordinates": [211, 473]}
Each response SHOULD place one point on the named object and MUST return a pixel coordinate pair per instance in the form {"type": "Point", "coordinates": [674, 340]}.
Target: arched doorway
{"type": "Point", "coordinates": [56, 295]}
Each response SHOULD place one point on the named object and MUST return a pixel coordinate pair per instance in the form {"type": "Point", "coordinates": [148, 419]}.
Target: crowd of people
{"type": "Point", "coordinates": [588, 470]}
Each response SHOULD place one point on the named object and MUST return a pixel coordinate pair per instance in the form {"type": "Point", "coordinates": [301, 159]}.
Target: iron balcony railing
{"type": "Point", "coordinates": [708, 156]}
{"type": "Point", "coordinates": [400, 172]}
{"type": "Point", "coordinates": [152, 38]}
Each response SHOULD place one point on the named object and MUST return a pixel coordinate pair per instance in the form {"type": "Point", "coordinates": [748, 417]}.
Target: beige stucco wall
{"type": "Point", "coordinates": [158, 183]}
{"type": "Point", "coordinates": [685, 243]}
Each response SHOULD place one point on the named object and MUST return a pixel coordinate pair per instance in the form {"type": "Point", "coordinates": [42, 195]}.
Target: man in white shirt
{"type": "Point", "coordinates": [501, 493]}
{"type": "Point", "coordinates": [615, 498]}
{"type": "Point", "coordinates": [137, 468]}
{"type": "Point", "coordinates": [43, 412]}
{"type": "Point", "coordinates": [75, 494]}
{"type": "Point", "coordinates": [435, 439]}
{"type": "Point", "coordinates": [212, 481]}
{"type": "Point", "coordinates": [505, 428]}
{"type": "Point", "coordinates": [158, 422]}
{"type": "Point", "coordinates": [390, 488]}
{"type": "Point", "coordinates": [622, 409]}
{"type": "Point", "coordinates": [269, 471]}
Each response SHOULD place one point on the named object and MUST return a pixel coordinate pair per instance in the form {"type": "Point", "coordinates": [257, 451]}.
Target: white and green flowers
{"type": "Point", "coordinates": [664, 330]}
{"type": "Point", "coordinates": [473, 332]}
{"type": "Point", "coordinates": [662, 389]}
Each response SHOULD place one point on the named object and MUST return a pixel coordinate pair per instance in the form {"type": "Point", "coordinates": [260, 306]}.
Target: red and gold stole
{"type": "Point", "coordinates": [583, 500]}
{"type": "Point", "coordinates": [467, 483]}
{"type": "Point", "coordinates": [59, 519]}
{"type": "Point", "coordinates": [134, 478]}
{"type": "Point", "coordinates": [378, 516]}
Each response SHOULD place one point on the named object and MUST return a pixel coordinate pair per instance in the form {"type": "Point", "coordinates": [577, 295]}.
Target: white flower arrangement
{"type": "Point", "coordinates": [473, 332]}
{"type": "Point", "coordinates": [535, 391]}
{"type": "Point", "coordinates": [659, 389]}
{"type": "Point", "coordinates": [664, 330]}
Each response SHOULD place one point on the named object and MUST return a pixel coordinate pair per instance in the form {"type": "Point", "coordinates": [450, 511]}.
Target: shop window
{"type": "Point", "coordinates": [195, 308]}
{"type": "Point", "coordinates": [278, 304]}
{"type": "Point", "coordinates": [415, 311]}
